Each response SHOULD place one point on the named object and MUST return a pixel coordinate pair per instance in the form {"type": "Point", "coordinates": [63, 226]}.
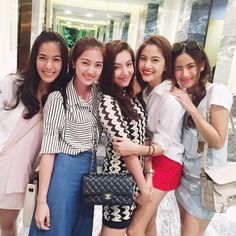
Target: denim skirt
{"type": "Point", "coordinates": [69, 214]}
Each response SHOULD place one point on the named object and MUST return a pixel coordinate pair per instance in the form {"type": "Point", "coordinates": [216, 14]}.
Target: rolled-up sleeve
{"type": "Point", "coordinates": [53, 121]}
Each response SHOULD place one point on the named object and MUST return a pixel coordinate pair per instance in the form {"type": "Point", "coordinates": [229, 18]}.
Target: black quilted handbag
{"type": "Point", "coordinates": [108, 189]}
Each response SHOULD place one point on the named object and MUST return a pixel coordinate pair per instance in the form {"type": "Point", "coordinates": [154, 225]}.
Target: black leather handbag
{"type": "Point", "coordinates": [108, 188]}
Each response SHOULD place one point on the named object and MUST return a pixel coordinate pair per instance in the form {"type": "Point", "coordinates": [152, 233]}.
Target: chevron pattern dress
{"type": "Point", "coordinates": [115, 124]}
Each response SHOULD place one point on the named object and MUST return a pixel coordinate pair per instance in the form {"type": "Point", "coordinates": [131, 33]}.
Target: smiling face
{"type": "Point", "coordinates": [186, 71]}
{"type": "Point", "coordinates": [88, 67]}
{"type": "Point", "coordinates": [151, 65]}
{"type": "Point", "coordinates": [48, 62]}
{"type": "Point", "coordinates": [124, 69]}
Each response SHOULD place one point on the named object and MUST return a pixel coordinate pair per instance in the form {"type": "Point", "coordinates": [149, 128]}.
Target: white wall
{"type": "Point", "coordinates": [8, 39]}
{"type": "Point", "coordinates": [38, 7]}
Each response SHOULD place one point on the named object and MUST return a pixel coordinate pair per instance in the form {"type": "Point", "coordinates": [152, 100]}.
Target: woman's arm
{"type": "Point", "coordinates": [113, 123]}
{"type": "Point", "coordinates": [53, 121]}
{"type": "Point", "coordinates": [133, 165]}
{"type": "Point", "coordinates": [42, 214]}
{"type": "Point", "coordinates": [126, 147]}
{"type": "Point", "coordinates": [214, 132]}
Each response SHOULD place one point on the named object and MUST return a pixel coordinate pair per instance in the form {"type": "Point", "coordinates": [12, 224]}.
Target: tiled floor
{"type": "Point", "coordinates": [168, 221]}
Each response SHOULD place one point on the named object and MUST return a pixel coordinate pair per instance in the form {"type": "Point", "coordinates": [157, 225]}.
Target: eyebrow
{"type": "Point", "coordinates": [43, 54]}
{"type": "Point", "coordinates": [189, 64]}
{"type": "Point", "coordinates": [116, 63]}
{"type": "Point", "coordinates": [144, 55]}
{"type": "Point", "coordinates": [89, 60]}
{"type": "Point", "coordinates": [156, 57]}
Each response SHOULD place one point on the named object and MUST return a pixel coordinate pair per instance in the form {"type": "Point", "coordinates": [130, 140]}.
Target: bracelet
{"type": "Point", "coordinates": [149, 150]}
{"type": "Point", "coordinates": [149, 171]}
{"type": "Point", "coordinates": [153, 150]}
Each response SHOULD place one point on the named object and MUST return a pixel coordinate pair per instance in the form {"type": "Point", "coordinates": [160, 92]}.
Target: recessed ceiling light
{"type": "Point", "coordinates": [108, 15]}
{"type": "Point", "coordinates": [67, 12]}
{"type": "Point", "coordinates": [88, 14]}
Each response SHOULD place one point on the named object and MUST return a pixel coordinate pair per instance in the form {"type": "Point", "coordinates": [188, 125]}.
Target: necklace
{"type": "Point", "coordinates": [124, 92]}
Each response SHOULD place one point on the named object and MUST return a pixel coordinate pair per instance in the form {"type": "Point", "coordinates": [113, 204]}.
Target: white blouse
{"type": "Point", "coordinates": [165, 120]}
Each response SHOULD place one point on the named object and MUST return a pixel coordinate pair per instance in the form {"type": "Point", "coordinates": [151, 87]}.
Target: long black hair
{"type": "Point", "coordinates": [28, 83]}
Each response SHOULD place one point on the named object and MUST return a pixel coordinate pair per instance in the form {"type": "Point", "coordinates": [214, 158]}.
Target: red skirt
{"type": "Point", "coordinates": [167, 173]}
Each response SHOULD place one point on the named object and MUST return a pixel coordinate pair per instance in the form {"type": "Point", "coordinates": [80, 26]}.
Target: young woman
{"type": "Point", "coordinates": [122, 115]}
{"type": "Point", "coordinates": [68, 147]}
{"type": "Point", "coordinates": [21, 100]}
{"type": "Point", "coordinates": [164, 125]}
{"type": "Point", "coordinates": [192, 72]}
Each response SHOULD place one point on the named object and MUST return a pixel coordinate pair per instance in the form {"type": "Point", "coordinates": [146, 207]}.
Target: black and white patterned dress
{"type": "Point", "coordinates": [115, 124]}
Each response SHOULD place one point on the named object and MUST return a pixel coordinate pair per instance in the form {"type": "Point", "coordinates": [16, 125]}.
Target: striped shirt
{"type": "Point", "coordinates": [74, 129]}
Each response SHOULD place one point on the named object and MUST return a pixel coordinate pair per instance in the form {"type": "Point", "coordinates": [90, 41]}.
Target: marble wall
{"type": "Point", "coordinates": [224, 66]}
{"type": "Point", "coordinates": [193, 20]}
{"type": "Point", "coordinates": [151, 20]}
{"type": "Point", "coordinates": [199, 20]}
{"type": "Point", "coordinates": [184, 21]}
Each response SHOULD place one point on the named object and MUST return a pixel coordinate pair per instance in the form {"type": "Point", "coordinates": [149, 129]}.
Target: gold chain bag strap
{"type": "Point", "coordinates": [218, 184]}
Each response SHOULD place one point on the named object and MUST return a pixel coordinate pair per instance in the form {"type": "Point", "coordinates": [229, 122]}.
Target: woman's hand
{"type": "Point", "coordinates": [184, 99]}
{"type": "Point", "coordinates": [144, 197]}
{"type": "Point", "coordinates": [42, 216]}
{"type": "Point", "coordinates": [125, 147]}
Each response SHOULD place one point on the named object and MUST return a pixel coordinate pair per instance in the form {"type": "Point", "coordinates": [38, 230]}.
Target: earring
{"type": "Point", "coordinates": [202, 68]}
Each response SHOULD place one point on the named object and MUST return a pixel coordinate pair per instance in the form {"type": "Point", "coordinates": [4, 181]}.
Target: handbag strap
{"type": "Point", "coordinates": [20, 137]}
{"type": "Point", "coordinates": [94, 104]}
{"type": "Point", "coordinates": [205, 149]}
{"type": "Point", "coordinates": [206, 145]}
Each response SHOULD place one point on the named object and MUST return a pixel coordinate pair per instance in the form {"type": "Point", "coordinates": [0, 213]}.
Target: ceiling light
{"type": "Point", "coordinates": [67, 12]}
{"type": "Point", "coordinates": [88, 14]}
{"type": "Point", "coordinates": [108, 16]}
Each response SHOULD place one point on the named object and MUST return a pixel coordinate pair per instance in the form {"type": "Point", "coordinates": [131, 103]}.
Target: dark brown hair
{"type": "Point", "coordinates": [164, 45]}
{"type": "Point", "coordinates": [107, 84]}
{"type": "Point", "coordinates": [78, 49]}
{"type": "Point", "coordinates": [200, 58]}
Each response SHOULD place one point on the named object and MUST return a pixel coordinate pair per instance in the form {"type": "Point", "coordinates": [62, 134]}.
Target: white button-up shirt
{"type": "Point", "coordinates": [165, 120]}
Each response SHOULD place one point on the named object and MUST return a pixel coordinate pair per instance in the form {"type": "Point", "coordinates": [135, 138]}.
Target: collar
{"type": "Point", "coordinates": [159, 89]}
{"type": "Point", "coordinates": [72, 96]}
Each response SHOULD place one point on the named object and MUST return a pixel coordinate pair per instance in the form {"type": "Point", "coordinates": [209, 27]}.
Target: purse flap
{"type": "Point", "coordinates": [99, 184]}
{"type": "Point", "coordinates": [227, 190]}
{"type": "Point", "coordinates": [223, 175]}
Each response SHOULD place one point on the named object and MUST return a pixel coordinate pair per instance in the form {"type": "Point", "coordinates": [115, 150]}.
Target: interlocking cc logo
{"type": "Point", "coordinates": [107, 196]}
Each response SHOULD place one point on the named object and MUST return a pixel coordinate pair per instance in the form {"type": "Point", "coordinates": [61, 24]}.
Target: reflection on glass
{"type": "Point", "coordinates": [131, 21]}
